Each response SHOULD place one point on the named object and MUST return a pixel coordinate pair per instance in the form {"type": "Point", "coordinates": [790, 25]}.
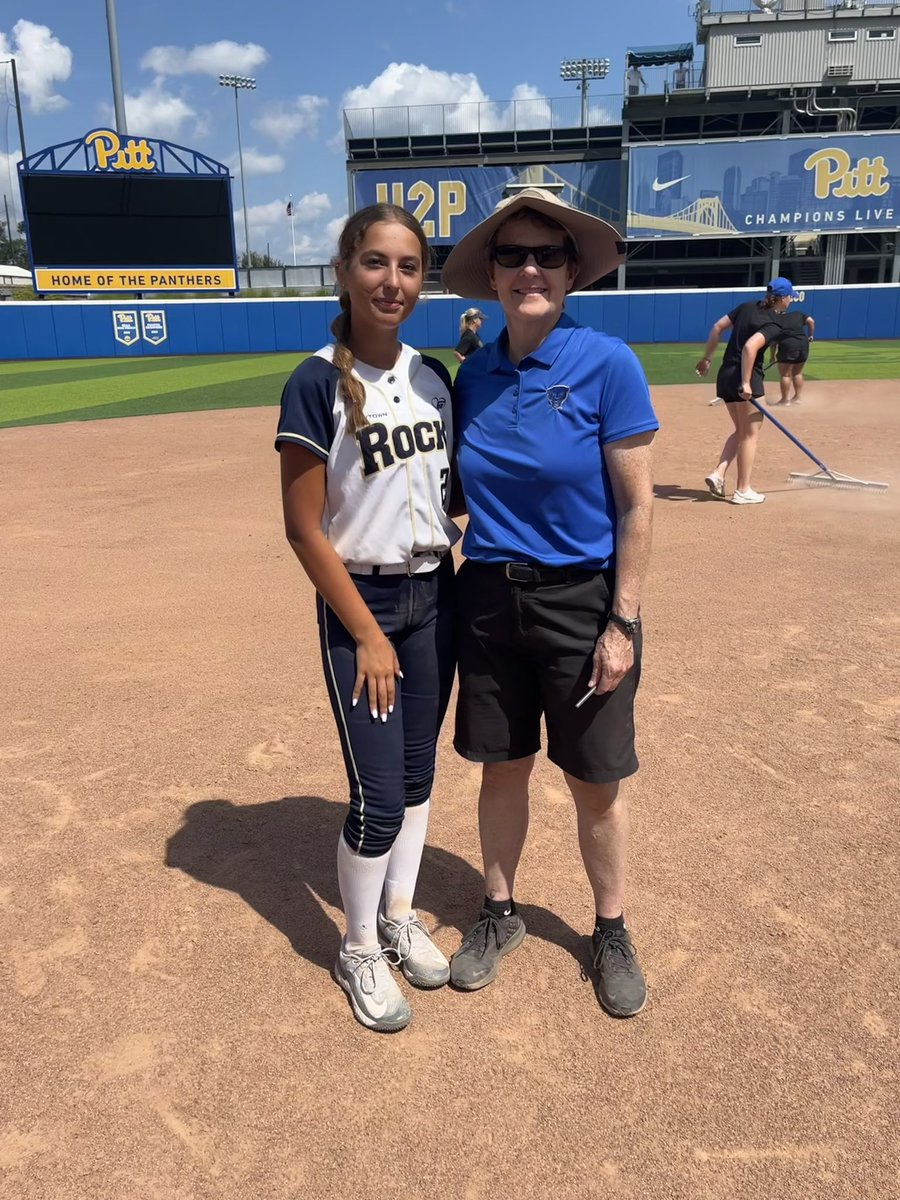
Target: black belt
{"type": "Point", "coordinates": [522, 572]}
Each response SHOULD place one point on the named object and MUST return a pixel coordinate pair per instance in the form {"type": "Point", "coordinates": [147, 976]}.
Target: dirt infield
{"type": "Point", "coordinates": [172, 796]}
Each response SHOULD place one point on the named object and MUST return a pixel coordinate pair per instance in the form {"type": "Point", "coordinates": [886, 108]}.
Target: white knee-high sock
{"type": "Point", "coordinates": [361, 881]}
{"type": "Point", "coordinates": [404, 861]}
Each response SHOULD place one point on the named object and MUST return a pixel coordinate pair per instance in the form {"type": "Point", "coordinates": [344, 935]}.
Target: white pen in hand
{"type": "Point", "coordinates": [585, 697]}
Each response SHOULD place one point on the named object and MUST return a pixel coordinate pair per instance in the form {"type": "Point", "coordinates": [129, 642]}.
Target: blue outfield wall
{"type": "Point", "coordinates": [77, 329]}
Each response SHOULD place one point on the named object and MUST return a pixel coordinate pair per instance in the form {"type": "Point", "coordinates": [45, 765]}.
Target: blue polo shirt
{"type": "Point", "coordinates": [531, 441]}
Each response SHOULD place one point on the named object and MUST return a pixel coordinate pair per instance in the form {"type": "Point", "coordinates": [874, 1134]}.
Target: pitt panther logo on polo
{"type": "Point", "coordinates": [557, 396]}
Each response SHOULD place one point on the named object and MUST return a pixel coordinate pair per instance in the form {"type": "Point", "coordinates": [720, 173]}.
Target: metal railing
{"type": "Point", "coordinates": [477, 117]}
{"type": "Point", "coordinates": [659, 81]}
{"type": "Point", "coordinates": [799, 8]}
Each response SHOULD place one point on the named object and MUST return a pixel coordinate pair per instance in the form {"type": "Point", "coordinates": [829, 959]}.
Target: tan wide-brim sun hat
{"type": "Point", "coordinates": [600, 249]}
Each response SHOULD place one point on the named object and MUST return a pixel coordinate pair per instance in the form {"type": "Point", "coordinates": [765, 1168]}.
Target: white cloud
{"type": "Point", "coordinates": [407, 99]}
{"type": "Point", "coordinates": [311, 207]}
{"type": "Point", "coordinates": [156, 113]}
{"type": "Point", "coordinates": [333, 232]}
{"type": "Point", "coordinates": [270, 225]}
{"type": "Point", "coordinates": [42, 61]}
{"type": "Point", "coordinates": [402, 84]}
{"type": "Point", "coordinates": [214, 58]}
{"type": "Point", "coordinates": [256, 163]}
{"type": "Point", "coordinates": [282, 122]}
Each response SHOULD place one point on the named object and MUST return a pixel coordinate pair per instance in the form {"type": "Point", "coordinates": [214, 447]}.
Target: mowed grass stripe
{"type": "Point", "coordinates": [246, 393]}
{"type": "Point", "coordinates": [42, 374]}
{"type": "Point", "coordinates": [64, 397]}
{"type": "Point", "coordinates": [675, 363]}
{"type": "Point", "coordinates": [245, 381]}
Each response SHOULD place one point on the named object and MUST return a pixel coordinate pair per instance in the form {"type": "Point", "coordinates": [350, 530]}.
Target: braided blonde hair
{"type": "Point", "coordinates": [352, 236]}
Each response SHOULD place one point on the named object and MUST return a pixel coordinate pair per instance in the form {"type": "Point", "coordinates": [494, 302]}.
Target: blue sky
{"type": "Point", "coordinates": [310, 61]}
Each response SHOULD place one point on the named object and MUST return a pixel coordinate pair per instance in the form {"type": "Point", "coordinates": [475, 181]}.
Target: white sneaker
{"type": "Point", "coordinates": [747, 497]}
{"type": "Point", "coordinates": [715, 400]}
{"type": "Point", "coordinates": [418, 957]}
{"type": "Point", "coordinates": [715, 483]}
{"type": "Point", "coordinates": [376, 1000]}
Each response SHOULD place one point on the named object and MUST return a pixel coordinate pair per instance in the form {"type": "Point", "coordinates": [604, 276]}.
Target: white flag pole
{"type": "Point", "coordinates": [293, 243]}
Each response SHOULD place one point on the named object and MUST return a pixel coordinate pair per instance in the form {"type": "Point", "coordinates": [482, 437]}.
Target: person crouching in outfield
{"type": "Point", "coordinates": [792, 352]}
{"type": "Point", "coordinates": [554, 430]}
{"type": "Point", "coordinates": [365, 435]}
{"type": "Point", "coordinates": [743, 321]}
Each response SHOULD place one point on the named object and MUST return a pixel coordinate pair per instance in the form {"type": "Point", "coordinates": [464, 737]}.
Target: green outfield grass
{"type": "Point", "coordinates": [35, 393]}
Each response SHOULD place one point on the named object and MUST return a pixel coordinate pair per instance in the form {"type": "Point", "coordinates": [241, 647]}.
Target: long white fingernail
{"type": "Point", "coordinates": [354, 701]}
{"type": "Point", "coordinates": [383, 718]}
{"type": "Point", "coordinates": [400, 674]}
{"type": "Point", "coordinates": [390, 708]}
{"type": "Point", "coordinates": [374, 713]}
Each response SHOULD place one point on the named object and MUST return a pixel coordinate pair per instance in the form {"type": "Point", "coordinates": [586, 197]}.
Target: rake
{"type": "Point", "coordinates": [824, 477]}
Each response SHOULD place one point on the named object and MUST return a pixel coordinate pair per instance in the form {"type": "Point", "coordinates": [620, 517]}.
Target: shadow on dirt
{"type": "Point", "coordinates": [671, 491]}
{"type": "Point", "coordinates": [279, 856]}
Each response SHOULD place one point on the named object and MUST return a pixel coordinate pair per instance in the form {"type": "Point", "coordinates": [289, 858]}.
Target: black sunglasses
{"type": "Point", "coordinates": [544, 256]}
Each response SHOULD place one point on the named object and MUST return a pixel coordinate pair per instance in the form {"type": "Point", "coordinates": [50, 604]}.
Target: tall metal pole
{"type": "Point", "coordinates": [237, 117]}
{"type": "Point", "coordinates": [115, 66]}
{"type": "Point", "coordinates": [15, 80]}
{"type": "Point", "coordinates": [9, 231]}
{"type": "Point", "coordinates": [584, 99]}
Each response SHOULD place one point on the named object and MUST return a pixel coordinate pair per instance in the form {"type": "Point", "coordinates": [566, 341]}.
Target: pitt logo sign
{"type": "Point", "coordinates": [834, 175]}
{"type": "Point", "coordinates": [135, 155]}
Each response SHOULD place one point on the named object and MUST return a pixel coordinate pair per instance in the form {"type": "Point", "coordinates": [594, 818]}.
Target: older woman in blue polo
{"type": "Point", "coordinates": [555, 427]}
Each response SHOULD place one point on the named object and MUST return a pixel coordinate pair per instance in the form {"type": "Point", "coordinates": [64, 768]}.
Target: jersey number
{"type": "Point", "coordinates": [445, 483]}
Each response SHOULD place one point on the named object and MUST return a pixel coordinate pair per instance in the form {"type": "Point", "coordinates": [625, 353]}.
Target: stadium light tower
{"type": "Point", "coordinates": [238, 82]}
{"type": "Point", "coordinates": [584, 70]}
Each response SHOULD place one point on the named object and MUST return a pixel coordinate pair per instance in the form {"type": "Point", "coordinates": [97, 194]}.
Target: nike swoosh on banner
{"type": "Point", "coordinates": [661, 187]}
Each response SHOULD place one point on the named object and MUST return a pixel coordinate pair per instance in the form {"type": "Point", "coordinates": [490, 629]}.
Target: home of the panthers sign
{"type": "Point", "coordinates": [116, 213]}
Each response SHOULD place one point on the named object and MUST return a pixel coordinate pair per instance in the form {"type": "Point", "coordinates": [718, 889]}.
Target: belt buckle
{"type": "Point", "coordinates": [518, 572]}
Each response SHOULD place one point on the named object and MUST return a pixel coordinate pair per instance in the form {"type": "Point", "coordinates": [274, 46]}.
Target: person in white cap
{"type": "Point", "coordinates": [554, 426]}
{"type": "Point", "coordinates": [469, 324]}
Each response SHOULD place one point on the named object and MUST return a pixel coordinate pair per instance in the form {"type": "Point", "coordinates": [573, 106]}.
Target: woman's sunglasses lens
{"type": "Point", "coordinates": [517, 256]}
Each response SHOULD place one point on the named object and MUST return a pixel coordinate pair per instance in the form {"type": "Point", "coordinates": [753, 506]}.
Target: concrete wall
{"type": "Point", "coordinates": [70, 329]}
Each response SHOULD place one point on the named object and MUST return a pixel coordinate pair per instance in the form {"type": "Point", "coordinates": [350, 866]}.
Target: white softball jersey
{"type": "Point", "coordinates": [387, 486]}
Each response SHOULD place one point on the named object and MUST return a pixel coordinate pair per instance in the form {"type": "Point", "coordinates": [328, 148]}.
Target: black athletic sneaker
{"type": "Point", "coordinates": [620, 984]}
{"type": "Point", "coordinates": [477, 961]}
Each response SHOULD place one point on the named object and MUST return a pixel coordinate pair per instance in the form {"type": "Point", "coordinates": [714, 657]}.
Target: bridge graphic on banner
{"type": "Point", "coordinates": [703, 216]}
{"type": "Point", "coordinates": [544, 176]}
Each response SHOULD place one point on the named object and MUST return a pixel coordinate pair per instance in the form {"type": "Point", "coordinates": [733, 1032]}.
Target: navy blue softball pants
{"type": "Point", "coordinates": [390, 765]}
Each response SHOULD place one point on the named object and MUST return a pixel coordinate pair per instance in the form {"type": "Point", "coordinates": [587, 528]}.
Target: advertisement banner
{"type": "Point", "coordinates": [449, 201]}
{"type": "Point", "coordinates": [832, 184]}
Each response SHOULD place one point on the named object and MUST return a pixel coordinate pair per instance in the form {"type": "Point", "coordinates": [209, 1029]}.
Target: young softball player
{"type": "Point", "coordinates": [365, 438]}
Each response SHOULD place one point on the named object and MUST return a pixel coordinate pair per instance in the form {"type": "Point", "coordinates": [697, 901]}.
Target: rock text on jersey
{"type": "Point", "coordinates": [381, 447]}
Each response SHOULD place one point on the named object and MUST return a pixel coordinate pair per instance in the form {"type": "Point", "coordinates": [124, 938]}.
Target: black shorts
{"type": "Point", "coordinates": [526, 650]}
{"type": "Point", "coordinates": [728, 381]}
{"type": "Point", "coordinates": [793, 350]}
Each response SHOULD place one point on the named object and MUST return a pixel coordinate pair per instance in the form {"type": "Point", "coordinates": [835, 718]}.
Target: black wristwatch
{"type": "Point", "coordinates": [630, 627]}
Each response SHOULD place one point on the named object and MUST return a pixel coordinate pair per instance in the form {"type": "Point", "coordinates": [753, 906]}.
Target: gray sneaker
{"type": "Point", "coordinates": [621, 988]}
{"type": "Point", "coordinates": [376, 1000]}
{"type": "Point", "coordinates": [477, 961]}
{"type": "Point", "coordinates": [417, 956]}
